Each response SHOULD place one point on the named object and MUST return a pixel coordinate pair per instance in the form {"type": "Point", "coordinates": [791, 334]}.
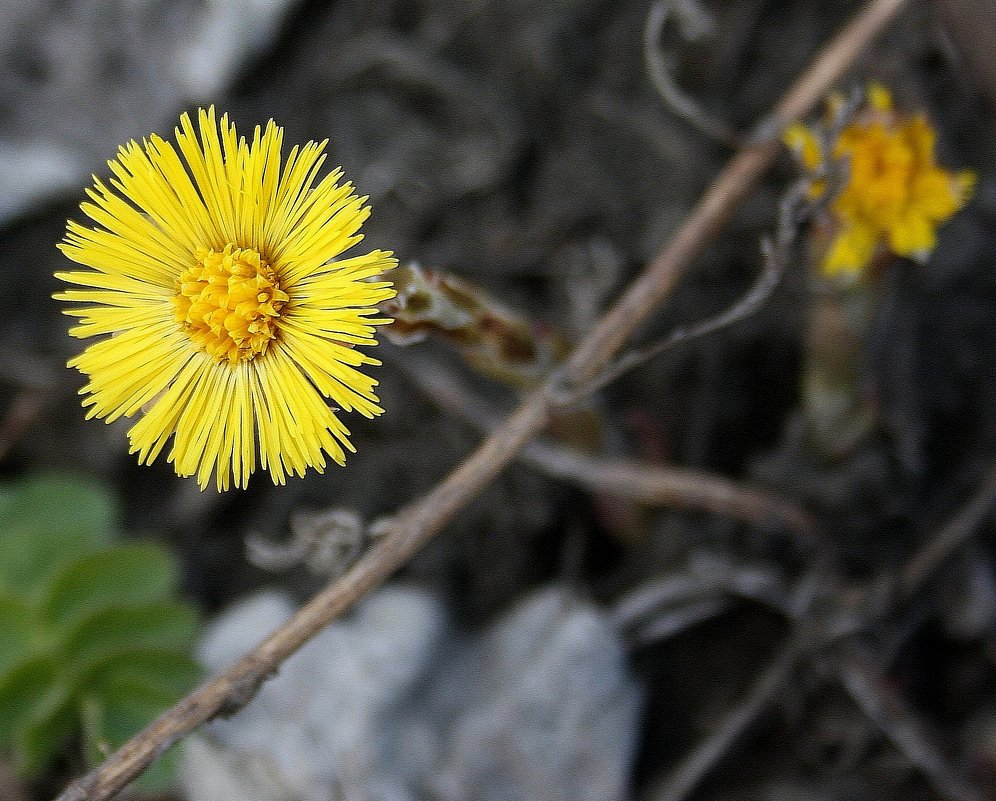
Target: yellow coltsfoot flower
{"type": "Point", "coordinates": [222, 314]}
{"type": "Point", "coordinates": [895, 196]}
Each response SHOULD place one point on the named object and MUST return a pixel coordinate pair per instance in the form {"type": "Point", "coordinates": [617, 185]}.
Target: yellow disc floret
{"type": "Point", "coordinates": [896, 192]}
{"type": "Point", "coordinates": [229, 303]}
{"type": "Point", "coordinates": [895, 195]}
{"type": "Point", "coordinates": [222, 311]}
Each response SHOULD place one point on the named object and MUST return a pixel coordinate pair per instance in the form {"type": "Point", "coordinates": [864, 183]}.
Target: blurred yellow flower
{"type": "Point", "coordinates": [895, 196]}
{"type": "Point", "coordinates": [222, 314]}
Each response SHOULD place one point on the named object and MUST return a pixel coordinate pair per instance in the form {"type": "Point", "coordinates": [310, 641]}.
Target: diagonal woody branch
{"type": "Point", "coordinates": [417, 523]}
{"type": "Point", "coordinates": [660, 277]}
{"type": "Point", "coordinates": [674, 487]}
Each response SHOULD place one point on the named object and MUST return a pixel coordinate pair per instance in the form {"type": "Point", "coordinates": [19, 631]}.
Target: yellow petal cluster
{"type": "Point", "coordinates": [895, 196]}
{"type": "Point", "coordinates": [230, 302]}
{"type": "Point", "coordinates": [221, 311]}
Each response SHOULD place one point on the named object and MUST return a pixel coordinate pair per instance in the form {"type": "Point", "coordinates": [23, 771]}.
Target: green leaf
{"type": "Point", "coordinates": [44, 733]}
{"type": "Point", "coordinates": [25, 690]}
{"type": "Point", "coordinates": [128, 628]}
{"type": "Point", "coordinates": [88, 634]}
{"type": "Point", "coordinates": [62, 503]}
{"type": "Point", "coordinates": [47, 523]}
{"type": "Point", "coordinates": [170, 671]}
{"type": "Point", "coordinates": [18, 631]}
{"type": "Point", "coordinates": [122, 710]}
{"type": "Point", "coordinates": [161, 774]}
{"type": "Point", "coordinates": [134, 573]}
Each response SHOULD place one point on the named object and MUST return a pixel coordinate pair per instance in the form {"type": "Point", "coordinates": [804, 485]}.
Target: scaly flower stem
{"type": "Point", "coordinates": [417, 524]}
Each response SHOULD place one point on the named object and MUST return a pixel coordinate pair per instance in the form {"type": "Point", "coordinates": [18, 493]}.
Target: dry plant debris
{"type": "Point", "coordinates": [806, 623]}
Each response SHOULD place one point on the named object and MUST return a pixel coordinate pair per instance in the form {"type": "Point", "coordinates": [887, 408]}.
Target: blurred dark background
{"type": "Point", "coordinates": [522, 146]}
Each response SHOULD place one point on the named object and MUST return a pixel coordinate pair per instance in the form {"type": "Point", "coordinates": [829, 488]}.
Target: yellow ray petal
{"type": "Point", "coordinates": [219, 311]}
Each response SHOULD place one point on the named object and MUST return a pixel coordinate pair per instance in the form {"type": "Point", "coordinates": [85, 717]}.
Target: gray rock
{"type": "Point", "coordinates": [81, 77]}
{"type": "Point", "coordinates": [312, 732]}
{"type": "Point", "coordinates": [555, 714]}
{"type": "Point", "coordinates": [395, 704]}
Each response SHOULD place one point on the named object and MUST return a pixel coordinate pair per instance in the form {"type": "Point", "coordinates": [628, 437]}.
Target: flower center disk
{"type": "Point", "coordinates": [229, 303]}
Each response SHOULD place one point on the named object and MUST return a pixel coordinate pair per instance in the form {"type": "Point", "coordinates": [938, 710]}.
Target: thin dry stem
{"type": "Point", "coordinates": [794, 207]}
{"type": "Point", "coordinates": [641, 482]}
{"type": "Point", "coordinates": [673, 487]}
{"type": "Point", "coordinates": [899, 723]}
{"type": "Point", "coordinates": [677, 100]}
{"type": "Point", "coordinates": [693, 767]}
{"type": "Point", "coordinates": [936, 550]}
{"type": "Point", "coordinates": [647, 292]}
{"type": "Point", "coordinates": [818, 634]}
{"type": "Point", "coordinates": [415, 525]}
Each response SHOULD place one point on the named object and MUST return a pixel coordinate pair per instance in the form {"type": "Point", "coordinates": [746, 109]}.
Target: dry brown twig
{"type": "Point", "coordinates": [659, 279]}
{"type": "Point", "coordinates": [694, 24]}
{"type": "Point", "coordinates": [857, 673]}
{"type": "Point", "coordinates": [693, 767]}
{"type": "Point", "coordinates": [831, 633]}
{"type": "Point", "coordinates": [641, 482]}
{"type": "Point", "coordinates": [794, 208]}
{"type": "Point", "coordinates": [650, 484]}
{"type": "Point", "coordinates": [937, 549]}
{"type": "Point", "coordinates": [417, 523]}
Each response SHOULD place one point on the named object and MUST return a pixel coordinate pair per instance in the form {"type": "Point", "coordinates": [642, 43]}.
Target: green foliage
{"type": "Point", "coordinates": [93, 643]}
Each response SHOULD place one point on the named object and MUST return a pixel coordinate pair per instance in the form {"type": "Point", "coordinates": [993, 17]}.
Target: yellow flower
{"type": "Point", "coordinates": [895, 196]}
{"type": "Point", "coordinates": [221, 314]}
